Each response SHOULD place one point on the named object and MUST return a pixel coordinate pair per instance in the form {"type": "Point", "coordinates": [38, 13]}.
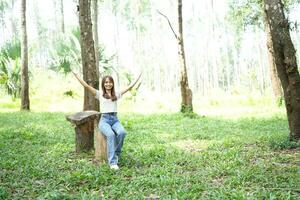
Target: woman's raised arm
{"type": "Point", "coordinates": [85, 85]}
{"type": "Point", "coordinates": [131, 85]}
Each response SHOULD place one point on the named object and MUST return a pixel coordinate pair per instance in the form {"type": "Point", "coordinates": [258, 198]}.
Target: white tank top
{"type": "Point", "coordinates": [107, 105]}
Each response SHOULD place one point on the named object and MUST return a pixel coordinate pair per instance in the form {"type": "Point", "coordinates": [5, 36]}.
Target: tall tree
{"type": "Point", "coordinates": [285, 61]}
{"type": "Point", "coordinates": [186, 92]}
{"type": "Point", "coordinates": [89, 69]}
{"type": "Point", "coordinates": [59, 17]}
{"type": "Point", "coordinates": [12, 20]}
{"type": "Point", "coordinates": [95, 32]}
{"type": "Point", "coordinates": [275, 82]}
{"type": "Point", "coordinates": [249, 13]}
{"type": "Point", "coordinates": [62, 20]}
{"type": "Point", "coordinates": [25, 103]}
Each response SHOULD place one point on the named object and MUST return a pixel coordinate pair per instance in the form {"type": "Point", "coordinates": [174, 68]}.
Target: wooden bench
{"type": "Point", "coordinates": [85, 123]}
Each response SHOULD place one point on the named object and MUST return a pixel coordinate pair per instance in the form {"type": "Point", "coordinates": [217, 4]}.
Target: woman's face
{"type": "Point", "coordinates": [108, 84]}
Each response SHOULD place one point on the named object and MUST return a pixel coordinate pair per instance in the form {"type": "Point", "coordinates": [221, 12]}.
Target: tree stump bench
{"type": "Point", "coordinates": [85, 123]}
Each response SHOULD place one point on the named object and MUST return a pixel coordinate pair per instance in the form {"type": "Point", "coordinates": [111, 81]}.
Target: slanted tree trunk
{"type": "Point", "coordinates": [89, 69]}
{"type": "Point", "coordinates": [275, 82]}
{"type": "Point", "coordinates": [186, 92]}
{"type": "Point", "coordinates": [285, 62]}
{"type": "Point", "coordinates": [25, 104]}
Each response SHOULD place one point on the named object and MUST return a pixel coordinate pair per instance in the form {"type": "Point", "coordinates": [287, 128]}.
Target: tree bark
{"type": "Point", "coordinates": [285, 61]}
{"type": "Point", "coordinates": [90, 75]}
{"type": "Point", "coordinates": [84, 137]}
{"type": "Point", "coordinates": [84, 129]}
{"type": "Point", "coordinates": [275, 82]}
{"type": "Point", "coordinates": [25, 103]}
{"type": "Point", "coordinates": [96, 43]}
{"type": "Point", "coordinates": [95, 32]}
{"type": "Point", "coordinates": [186, 92]}
{"type": "Point", "coordinates": [100, 145]}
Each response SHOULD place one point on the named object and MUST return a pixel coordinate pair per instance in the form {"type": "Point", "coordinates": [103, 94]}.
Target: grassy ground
{"type": "Point", "coordinates": [236, 147]}
{"type": "Point", "coordinates": [166, 156]}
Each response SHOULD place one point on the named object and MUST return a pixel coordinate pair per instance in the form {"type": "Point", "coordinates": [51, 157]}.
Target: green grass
{"type": "Point", "coordinates": [166, 156]}
{"type": "Point", "coordinates": [235, 148]}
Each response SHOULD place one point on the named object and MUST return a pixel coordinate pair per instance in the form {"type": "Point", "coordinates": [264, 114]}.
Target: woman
{"type": "Point", "coordinates": [109, 124]}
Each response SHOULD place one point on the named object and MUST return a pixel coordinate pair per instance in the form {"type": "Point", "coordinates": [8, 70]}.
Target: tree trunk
{"type": "Point", "coordinates": [100, 145]}
{"type": "Point", "coordinates": [84, 129]}
{"type": "Point", "coordinates": [89, 69]}
{"type": "Point", "coordinates": [13, 22]}
{"type": "Point", "coordinates": [55, 14]}
{"type": "Point", "coordinates": [96, 43]}
{"type": "Point", "coordinates": [62, 20]}
{"type": "Point", "coordinates": [285, 61]}
{"type": "Point", "coordinates": [275, 82]}
{"type": "Point", "coordinates": [25, 104]}
{"type": "Point", "coordinates": [186, 92]}
{"type": "Point", "coordinates": [213, 49]}
{"type": "Point", "coordinates": [84, 137]}
{"type": "Point", "coordinates": [95, 32]}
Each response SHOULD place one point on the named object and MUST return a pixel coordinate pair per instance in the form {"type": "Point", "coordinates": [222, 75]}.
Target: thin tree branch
{"type": "Point", "coordinates": [169, 24]}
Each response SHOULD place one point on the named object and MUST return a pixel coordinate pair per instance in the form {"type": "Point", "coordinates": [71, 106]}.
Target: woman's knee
{"type": "Point", "coordinates": [108, 132]}
{"type": "Point", "coordinates": [121, 133]}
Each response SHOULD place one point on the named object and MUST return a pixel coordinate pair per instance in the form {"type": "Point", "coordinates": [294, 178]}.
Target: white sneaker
{"type": "Point", "coordinates": [115, 167]}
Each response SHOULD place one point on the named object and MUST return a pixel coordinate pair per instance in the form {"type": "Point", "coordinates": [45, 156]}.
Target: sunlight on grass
{"type": "Point", "coordinates": [194, 146]}
{"type": "Point", "coordinates": [48, 93]}
{"type": "Point", "coordinates": [6, 103]}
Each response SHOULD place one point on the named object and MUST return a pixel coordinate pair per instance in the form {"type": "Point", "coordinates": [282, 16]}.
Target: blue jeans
{"type": "Point", "coordinates": [115, 133]}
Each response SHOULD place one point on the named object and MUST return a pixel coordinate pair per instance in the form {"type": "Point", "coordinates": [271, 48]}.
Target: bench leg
{"type": "Point", "coordinates": [84, 137]}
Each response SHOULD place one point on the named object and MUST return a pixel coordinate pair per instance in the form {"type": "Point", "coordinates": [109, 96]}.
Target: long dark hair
{"type": "Point", "coordinates": [113, 93]}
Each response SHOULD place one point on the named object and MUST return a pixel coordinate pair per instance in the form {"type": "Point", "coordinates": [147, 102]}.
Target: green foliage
{"type": "Point", "coordinates": [191, 115]}
{"type": "Point", "coordinates": [281, 143]}
{"type": "Point", "coordinates": [165, 155]}
{"type": "Point", "coordinates": [11, 49]}
{"type": "Point", "coordinates": [290, 4]}
{"type": "Point", "coordinates": [243, 13]}
{"type": "Point", "coordinates": [3, 7]}
{"type": "Point", "coordinates": [10, 67]}
{"type": "Point", "coordinates": [130, 11]}
{"type": "Point", "coordinates": [69, 93]}
{"type": "Point", "coordinates": [279, 101]}
{"type": "Point", "coordinates": [10, 77]}
{"type": "Point", "coordinates": [128, 76]}
{"type": "Point", "coordinates": [65, 52]}
{"type": "Point", "coordinates": [186, 109]}
{"type": "Point", "coordinates": [106, 62]}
